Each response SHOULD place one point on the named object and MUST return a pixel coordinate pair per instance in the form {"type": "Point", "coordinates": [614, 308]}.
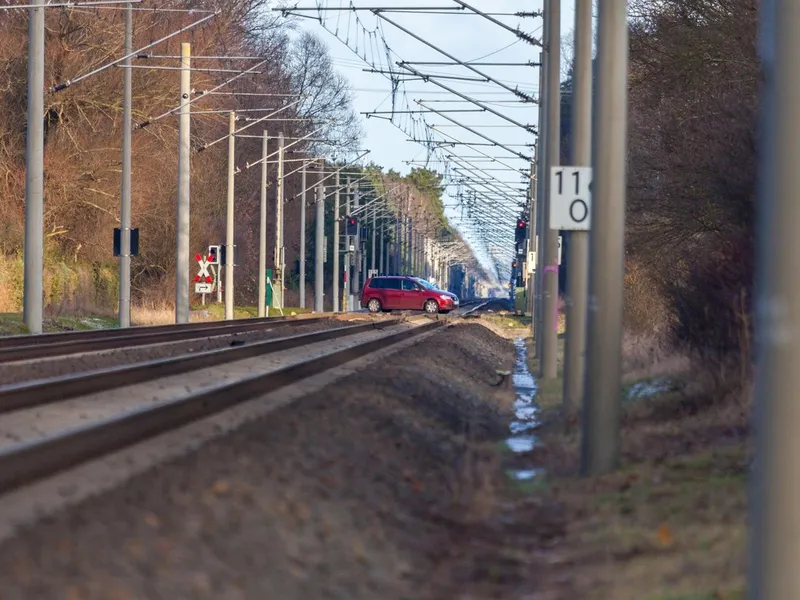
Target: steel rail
{"type": "Point", "coordinates": [477, 307]}
{"type": "Point", "coordinates": [27, 339]}
{"type": "Point", "coordinates": [27, 462]}
{"type": "Point", "coordinates": [40, 347]}
{"type": "Point", "coordinates": [27, 394]}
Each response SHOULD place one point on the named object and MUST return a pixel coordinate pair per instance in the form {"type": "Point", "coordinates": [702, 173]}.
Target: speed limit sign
{"type": "Point", "coordinates": [570, 198]}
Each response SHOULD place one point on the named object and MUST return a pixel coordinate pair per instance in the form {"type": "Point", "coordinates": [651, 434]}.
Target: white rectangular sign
{"type": "Point", "coordinates": [559, 250]}
{"type": "Point", "coordinates": [203, 288]}
{"type": "Point", "coordinates": [570, 198]}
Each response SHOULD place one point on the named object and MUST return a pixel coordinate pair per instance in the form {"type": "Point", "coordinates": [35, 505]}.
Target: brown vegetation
{"type": "Point", "coordinates": [694, 80]}
{"type": "Point", "coordinates": [83, 141]}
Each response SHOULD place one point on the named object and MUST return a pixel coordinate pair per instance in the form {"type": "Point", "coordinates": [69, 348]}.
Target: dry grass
{"type": "Point", "coordinates": [153, 314]}
{"type": "Point", "coordinates": [142, 315]}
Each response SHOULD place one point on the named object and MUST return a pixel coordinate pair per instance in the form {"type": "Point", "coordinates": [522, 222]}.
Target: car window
{"type": "Point", "coordinates": [377, 284]}
{"type": "Point", "coordinates": [425, 284]}
{"type": "Point", "coordinates": [409, 286]}
{"type": "Point", "coordinates": [391, 284]}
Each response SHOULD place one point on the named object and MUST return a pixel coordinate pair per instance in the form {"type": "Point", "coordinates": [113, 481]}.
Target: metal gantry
{"type": "Point", "coordinates": [432, 135]}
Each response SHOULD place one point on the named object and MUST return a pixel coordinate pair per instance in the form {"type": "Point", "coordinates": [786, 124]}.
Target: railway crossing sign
{"type": "Point", "coordinates": [203, 281]}
{"type": "Point", "coordinates": [570, 198]}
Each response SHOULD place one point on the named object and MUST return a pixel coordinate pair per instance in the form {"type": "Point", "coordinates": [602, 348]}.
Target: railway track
{"type": "Point", "coordinates": [470, 308]}
{"type": "Point", "coordinates": [27, 347]}
{"type": "Point", "coordinates": [133, 402]}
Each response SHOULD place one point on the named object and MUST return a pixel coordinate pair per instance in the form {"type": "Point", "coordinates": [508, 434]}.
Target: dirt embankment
{"type": "Point", "coordinates": [387, 485]}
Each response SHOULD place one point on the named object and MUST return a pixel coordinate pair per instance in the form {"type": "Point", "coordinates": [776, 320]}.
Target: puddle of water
{"type": "Point", "coordinates": [527, 475]}
{"type": "Point", "coordinates": [93, 323]}
{"type": "Point", "coordinates": [520, 444]}
{"type": "Point", "coordinates": [525, 410]}
{"type": "Point", "coordinates": [645, 389]}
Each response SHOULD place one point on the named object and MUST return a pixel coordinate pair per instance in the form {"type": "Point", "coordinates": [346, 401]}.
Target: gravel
{"type": "Point", "coordinates": [30, 424]}
{"type": "Point", "coordinates": [57, 366]}
{"type": "Point", "coordinates": [357, 492]}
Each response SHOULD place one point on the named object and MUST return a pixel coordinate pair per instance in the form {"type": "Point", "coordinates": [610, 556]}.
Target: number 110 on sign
{"type": "Point", "coordinates": [570, 198]}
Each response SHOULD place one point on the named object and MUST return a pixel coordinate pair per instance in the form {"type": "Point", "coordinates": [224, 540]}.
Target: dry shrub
{"type": "Point", "coordinates": [646, 311]}
{"type": "Point", "coordinates": [694, 80]}
{"type": "Point", "coordinates": [713, 304]}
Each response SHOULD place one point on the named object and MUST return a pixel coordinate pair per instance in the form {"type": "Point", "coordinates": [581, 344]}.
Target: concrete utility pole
{"type": "Point", "coordinates": [229, 221]}
{"type": "Point", "coordinates": [540, 191]}
{"type": "Point", "coordinates": [347, 295]}
{"type": "Point", "coordinates": [124, 310]}
{"type": "Point", "coordinates": [400, 231]}
{"type": "Point", "coordinates": [319, 247]}
{"type": "Point", "coordinates": [184, 178]}
{"type": "Point", "coordinates": [279, 224]}
{"type": "Point", "coordinates": [531, 275]}
{"type": "Point", "coordinates": [374, 237]}
{"type": "Point", "coordinates": [418, 266]}
{"type": "Point", "coordinates": [382, 259]}
{"type": "Point", "coordinates": [774, 487]}
{"type": "Point", "coordinates": [356, 287]}
{"type": "Point", "coordinates": [549, 361]}
{"type": "Point", "coordinates": [33, 291]}
{"type": "Point", "coordinates": [403, 245]}
{"type": "Point", "coordinates": [601, 404]}
{"type": "Point", "coordinates": [423, 253]}
{"type": "Point", "coordinates": [364, 253]}
{"type": "Point", "coordinates": [409, 243]}
{"type": "Point", "coordinates": [420, 255]}
{"type": "Point", "coordinates": [412, 247]}
{"type": "Point", "coordinates": [262, 231]}
{"type": "Point", "coordinates": [336, 243]}
{"type": "Point", "coordinates": [578, 265]}
{"type": "Point", "coordinates": [303, 240]}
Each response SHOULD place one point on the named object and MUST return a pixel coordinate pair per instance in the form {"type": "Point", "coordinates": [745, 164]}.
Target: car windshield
{"type": "Point", "coordinates": [425, 284]}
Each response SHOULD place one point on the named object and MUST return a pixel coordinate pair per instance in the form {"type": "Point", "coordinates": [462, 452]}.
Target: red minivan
{"type": "Point", "coordinates": [405, 293]}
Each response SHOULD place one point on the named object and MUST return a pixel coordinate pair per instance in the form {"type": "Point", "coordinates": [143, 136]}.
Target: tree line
{"type": "Point", "coordinates": [83, 131]}
{"type": "Point", "coordinates": [694, 79]}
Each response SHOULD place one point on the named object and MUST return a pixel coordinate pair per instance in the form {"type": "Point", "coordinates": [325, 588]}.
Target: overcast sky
{"type": "Point", "coordinates": [469, 38]}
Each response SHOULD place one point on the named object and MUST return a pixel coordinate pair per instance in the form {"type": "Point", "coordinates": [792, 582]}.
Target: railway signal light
{"type": "Point", "coordinates": [351, 226]}
{"type": "Point", "coordinates": [134, 242]}
{"type": "Point", "coordinates": [222, 256]}
{"type": "Point", "coordinates": [522, 230]}
{"type": "Point", "coordinates": [213, 255]}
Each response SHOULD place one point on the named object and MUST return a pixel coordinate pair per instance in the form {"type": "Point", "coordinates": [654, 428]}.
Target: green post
{"type": "Point", "coordinates": [269, 288]}
{"type": "Point", "coordinates": [519, 300]}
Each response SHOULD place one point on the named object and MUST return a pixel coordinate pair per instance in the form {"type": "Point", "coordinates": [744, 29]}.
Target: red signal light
{"type": "Point", "coordinates": [197, 278]}
{"type": "Point", "coordinates": [209, 279]}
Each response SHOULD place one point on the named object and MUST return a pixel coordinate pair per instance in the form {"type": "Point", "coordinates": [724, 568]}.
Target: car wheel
{"type": "Point", "coordinates": [374, 305]}
{"type": "Point", "coordinates": [431, 307]}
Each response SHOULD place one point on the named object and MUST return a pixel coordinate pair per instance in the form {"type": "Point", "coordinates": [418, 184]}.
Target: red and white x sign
{"type": "Point", "coordinates": [203, 274]}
